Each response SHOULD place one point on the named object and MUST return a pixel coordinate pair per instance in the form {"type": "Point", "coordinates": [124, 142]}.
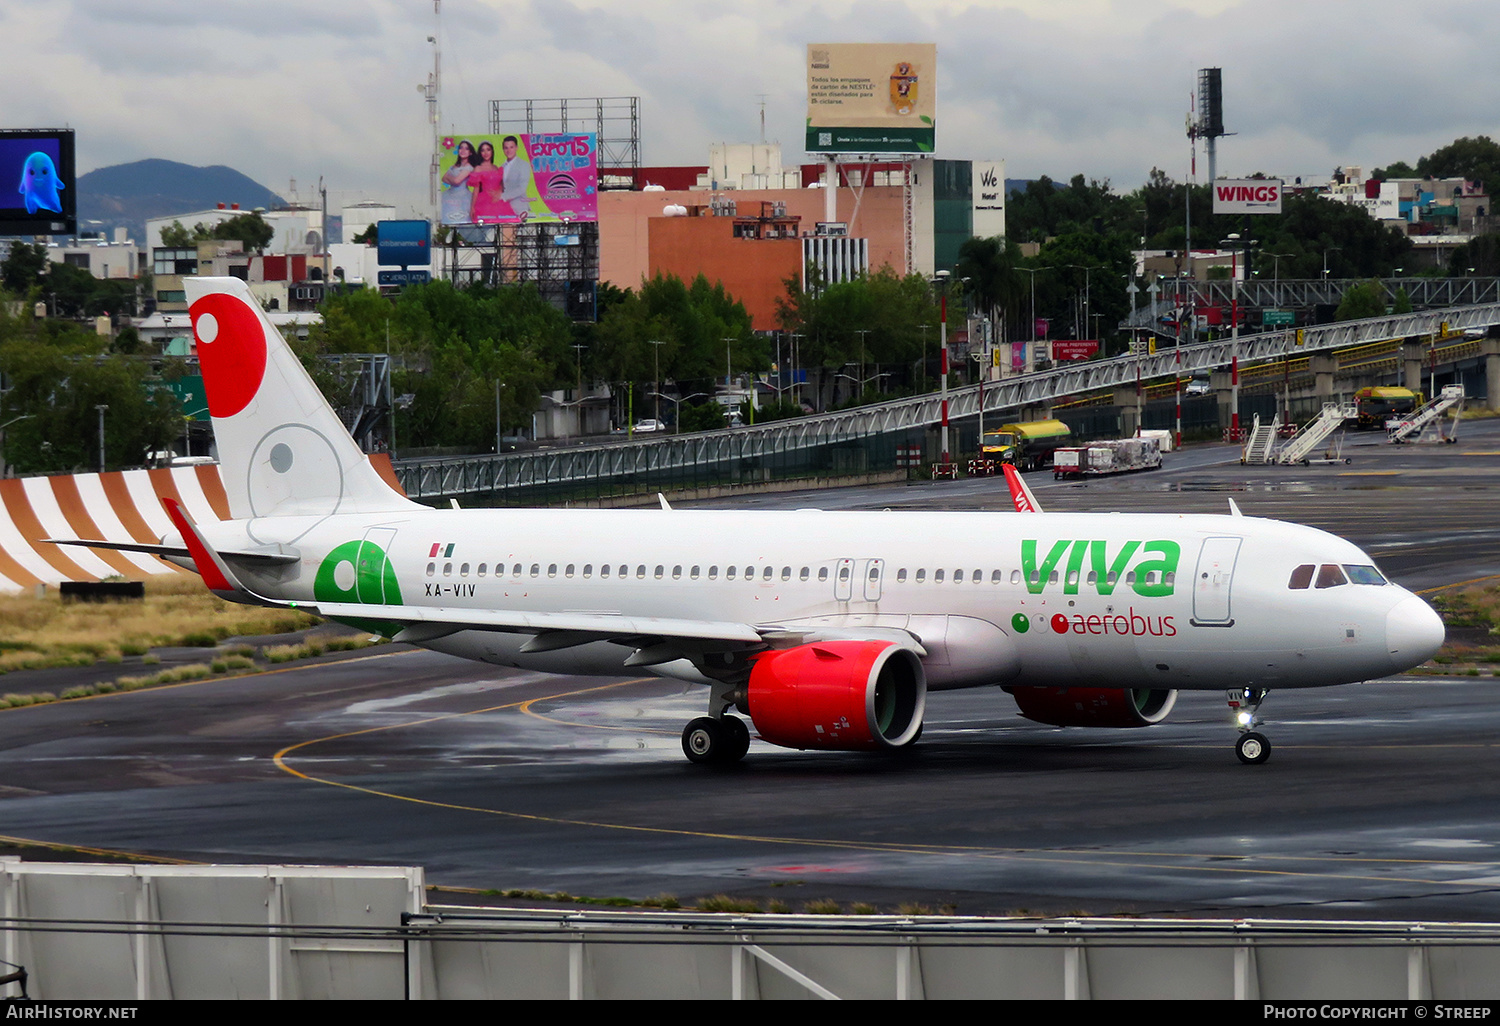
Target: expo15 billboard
{"type": "Point", "coordinates": [519, 177]}
{"type": "Point", "coordinates": [871, 97]}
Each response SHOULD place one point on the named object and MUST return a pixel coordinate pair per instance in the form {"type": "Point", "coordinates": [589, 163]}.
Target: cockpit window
{"type": "Point", "coordinates": [1330, 576]}
{"type": "Point", "coordinates": [1364, 574]}
{"type": "Point", "coordinates": [1301, 577]}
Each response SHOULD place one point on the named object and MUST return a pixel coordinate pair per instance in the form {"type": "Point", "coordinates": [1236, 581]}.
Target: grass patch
{"type": "Point", "coordinates": [36, 633]}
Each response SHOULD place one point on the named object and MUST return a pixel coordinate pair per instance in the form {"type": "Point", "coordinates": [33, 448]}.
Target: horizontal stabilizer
{"type": "Point", "coordinates": [271, 556]}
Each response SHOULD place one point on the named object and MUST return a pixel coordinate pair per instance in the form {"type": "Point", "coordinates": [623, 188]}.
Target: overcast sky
{"type": "Point", "coordinates": [283, 89]}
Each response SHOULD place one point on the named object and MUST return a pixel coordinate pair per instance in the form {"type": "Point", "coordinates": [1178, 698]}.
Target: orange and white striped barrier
{"type": "Point", "coordinates": [119, 506]}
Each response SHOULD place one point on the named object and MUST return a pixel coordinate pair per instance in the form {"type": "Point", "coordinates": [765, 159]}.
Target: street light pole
{"type": "Point", "coordinates": [656, 345]}
{"type": "Point", "coordinates": [942, 277]}
{"type": "Point", "coordinates": [101, 408]}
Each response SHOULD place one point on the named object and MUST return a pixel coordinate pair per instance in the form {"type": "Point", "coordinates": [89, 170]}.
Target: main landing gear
{"type": "Point", "coordinates": [710, 741]}
{"type": "Point", "coordinates": [1253, 747]}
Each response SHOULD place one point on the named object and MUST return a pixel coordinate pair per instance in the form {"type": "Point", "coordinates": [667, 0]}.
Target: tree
{"type": "Point", "coordinates": [23, 268]}
{"type": "Point", "coordinates": [58, 374]}
{"type": "Point", "coordinates": [994, 284]}
{"type": "Point", "coordinates": [1477, 159]}
{"type": "Point", "coordinates": [453, 350]}
{"type": "Point", "coordinates": [1479, 256]}
{"type": "Point", "coordinates": [690, 335]}
{"type": "Point", "coordinates": [1367, 299]}
{"type": "Point", "coordinates": [175, 236]}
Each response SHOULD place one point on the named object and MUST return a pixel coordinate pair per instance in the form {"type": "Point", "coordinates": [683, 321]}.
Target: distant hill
{"type": "Point", "coordinates": [125, 195]}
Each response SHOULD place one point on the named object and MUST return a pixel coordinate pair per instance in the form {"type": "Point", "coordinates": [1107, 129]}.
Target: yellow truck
{"type": "Point", "coordinates": [1028, 445]}
{"type": "Point", "coordinates": [1382, 403]}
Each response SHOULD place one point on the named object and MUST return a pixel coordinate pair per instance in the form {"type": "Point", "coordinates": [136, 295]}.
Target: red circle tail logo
{"type": "Point", "coordinates": [231, 352]}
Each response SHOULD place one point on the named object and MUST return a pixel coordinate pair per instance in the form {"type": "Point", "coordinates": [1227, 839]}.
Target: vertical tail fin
{"type": "Point", "coordinates": [282, 450]}
{"type": "Point", "coordinates": [1019, 494]}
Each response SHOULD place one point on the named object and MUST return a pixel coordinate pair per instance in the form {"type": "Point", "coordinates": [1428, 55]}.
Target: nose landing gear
{"type": "Point", "coordinates": [1253, 747]}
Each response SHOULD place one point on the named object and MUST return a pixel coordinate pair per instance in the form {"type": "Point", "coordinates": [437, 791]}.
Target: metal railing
{"type": "Point", "coordinates": [659, 457]}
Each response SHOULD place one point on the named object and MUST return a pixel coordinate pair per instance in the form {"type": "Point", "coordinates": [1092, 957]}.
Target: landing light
{"type": "Point", "coordinates": [1244, 719]}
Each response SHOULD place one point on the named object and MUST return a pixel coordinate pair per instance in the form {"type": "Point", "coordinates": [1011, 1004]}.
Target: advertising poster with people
{"type": "Point", "coordinates": [519, 178]}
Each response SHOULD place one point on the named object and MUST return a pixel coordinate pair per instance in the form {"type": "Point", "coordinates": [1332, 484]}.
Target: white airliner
{"type": "Point", "coordinates": [827, 629]}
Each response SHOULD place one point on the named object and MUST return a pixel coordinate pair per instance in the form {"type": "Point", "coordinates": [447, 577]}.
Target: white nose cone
{"type": "Point", "coordinates": [1413, 633]}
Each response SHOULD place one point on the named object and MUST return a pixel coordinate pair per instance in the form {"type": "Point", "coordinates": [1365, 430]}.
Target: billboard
{"type": "Point", "coordinates": [1074, 348]}
{"type": "Point", "coordinates": [403, 243]}
{"type": "Point", "coordinates": [1247, 196]}
{"type": "Point", "coordinates": [519, 177]}
{"type": "Point", "coordinates": [871, 97]}
{"type": "Point", "coordinates": [38, 190]}
{"type": "Point", "coordinates": [988, 186]}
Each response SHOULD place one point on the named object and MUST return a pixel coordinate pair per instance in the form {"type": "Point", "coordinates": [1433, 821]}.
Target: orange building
{"type": "Point", "coordinates": [875, 213]}
{"type": "Point", "coordinates": [751, 255]}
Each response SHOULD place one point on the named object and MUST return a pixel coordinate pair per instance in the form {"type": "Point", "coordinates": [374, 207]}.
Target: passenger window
{"type": "Point", "coordinates": [1052, 577]}
{"type": "Point", "coordinates": [569, 571]}
{"type": "Point", "coordinates": [677, 573]}
{"type": "Point", "coordinates": [937, 576]}
{"type": "Point", "coordinates": [536, 569]}
{"type": "Point", "coordinates": [1015, 577]}
{"type": "Point", "coordinates": [958, 577]}
{"type": "Point", "coordinates": [843, 574]}
{"type": "Point", "coordinates": [749, 573]}
{"type": "Point", "coordinates": [786, 573]}
{"type": "Point", "coordinates": [874, 574]}
{"type": "Point", "coordinates": [447, 569]}
{"type": "Point", "coordinates": [624, 571]}
{"type": "Point", "coordinates": [767, 573]}
{"type": "Point", "coordinates": [729, 572]}
{"type": "Point", "coordinates": [604, 570]}
{"type": "Point", "coordinates": [822, 573]}
{"type": "Point", "coordinates": [431, 569]}
{"type": "Point", "coordinates": [921, 575]}
{"type": "Point", "coordinates": [997, 576]}
{"type": "Point", "coordinates": [463, 571]}
{"type": "Point", "coordinates": [516, 570]}
{"type": "Point", "coordinates": [977, 576]}
{"type": "Point", "coordinates": [482, 568]}
{"type": "Point", "coordinates": [901, 575]}
{"type": "Point", "coordinates": [660, 570]}
{"type": "Point", "coordinates": [713, 572]}
{"type": "Point", "coordinates": [694, 573]}
{"type": "Point", "coordinates": [1330, 576]}
{"type": "Point", "coordinates": [804, 574]}
{"type": "Point", "coordinates": [640, 572]}
{"type": "Point", "coordinates": [551, 569]}
{"type": "Point", "coordinates": [1301, 577]}
{"type": "Point", "coordinates": [588, 570]}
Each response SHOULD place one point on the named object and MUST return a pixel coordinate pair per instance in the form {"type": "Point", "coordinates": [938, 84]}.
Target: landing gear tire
{"type": "Point", "coordinates": [738, 736]}
{"type": "Point", "coordinates": [711, 742]}
{"type": "Point", "coordinates": [1253, 748]}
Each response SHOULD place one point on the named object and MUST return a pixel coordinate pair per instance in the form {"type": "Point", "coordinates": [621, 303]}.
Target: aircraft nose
{"type": "Point", "coordinates": [1413, 632]}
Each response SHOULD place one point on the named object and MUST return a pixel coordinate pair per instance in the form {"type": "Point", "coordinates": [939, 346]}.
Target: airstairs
{"type": "Point", "coordinates": [1315, 432]}
{"type": "Point", "coordinates": [1435, 421]}
{"type": "Point", "coordinates": [1262, 439]}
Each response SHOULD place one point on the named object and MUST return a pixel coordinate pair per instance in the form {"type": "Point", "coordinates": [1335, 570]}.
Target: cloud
{"type": "Point", "coordinates": [279, 89]}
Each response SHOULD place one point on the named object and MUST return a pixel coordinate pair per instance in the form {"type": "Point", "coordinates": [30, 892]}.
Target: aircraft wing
{"type": "Point", "coordinates": [553, 630]}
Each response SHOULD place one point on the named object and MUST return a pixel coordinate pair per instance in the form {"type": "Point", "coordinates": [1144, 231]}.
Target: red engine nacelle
{"type": "Point", "coordinates": [1094, 707]}
{"type": "Point", "coordinates": [839, 695]}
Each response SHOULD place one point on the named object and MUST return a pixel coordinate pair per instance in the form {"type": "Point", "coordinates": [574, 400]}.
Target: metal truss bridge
{"type": "Point", "coordinates": [1306, 293]}
{"type": "Point", "coordinates": [452, 477]}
